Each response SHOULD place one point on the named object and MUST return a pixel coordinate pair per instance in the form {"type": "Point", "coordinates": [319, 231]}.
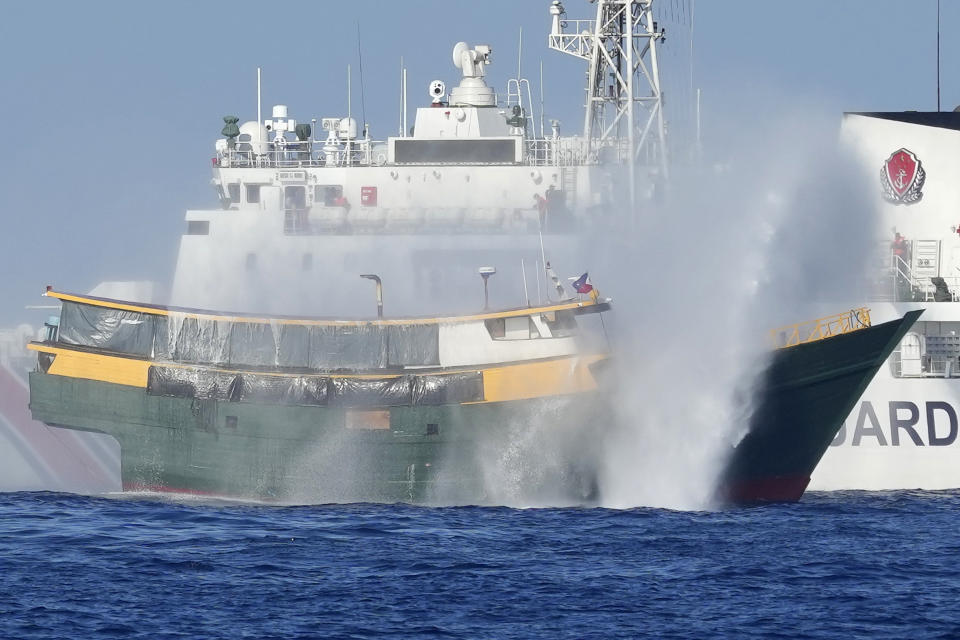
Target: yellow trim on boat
{"type": "Point", "coordinates": [219, 316]}
{"type": "Point", "coordinates": [518, 381]}
{"type": "Point", "coordinates": [538, 379]}
{"type": "Point", "coordinates": [96, 366]}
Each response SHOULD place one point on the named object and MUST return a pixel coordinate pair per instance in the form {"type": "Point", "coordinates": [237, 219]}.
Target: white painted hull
{"type": "Point", "coordinates": [903, 434]}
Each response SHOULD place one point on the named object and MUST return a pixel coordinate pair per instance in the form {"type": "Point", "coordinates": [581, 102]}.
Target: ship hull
{"type": "Point", "coordinates": [805, 395]}
{"type": "Point", "coordinates": [445, 454]}
{"type": "Point", "coordinates": [903, 433]}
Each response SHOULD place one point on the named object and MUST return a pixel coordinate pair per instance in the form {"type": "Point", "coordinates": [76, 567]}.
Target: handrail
{"type": "Point", "coordinates": [821, 328]}
{"type": "Point", "coordinates": [363, 152]}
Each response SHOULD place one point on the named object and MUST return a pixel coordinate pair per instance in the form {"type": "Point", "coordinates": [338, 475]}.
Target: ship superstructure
{"type": "Point", "coordinates": [473, 181]}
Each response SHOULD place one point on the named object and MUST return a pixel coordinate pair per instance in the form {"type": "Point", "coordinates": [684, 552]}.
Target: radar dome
{"type": "Point", "coordinates": [253, 137]}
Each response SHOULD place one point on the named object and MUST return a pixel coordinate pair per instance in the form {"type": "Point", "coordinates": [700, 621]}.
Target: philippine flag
{"type": "Point", "coordinates": [582, 284]}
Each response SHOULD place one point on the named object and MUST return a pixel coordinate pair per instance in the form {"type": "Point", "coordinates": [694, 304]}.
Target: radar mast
{"type": "Point", "coordinates": [624, 110]}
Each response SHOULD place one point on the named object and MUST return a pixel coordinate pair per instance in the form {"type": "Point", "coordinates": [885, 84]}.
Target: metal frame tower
{"type": "Point", "coordinates": [624, 100]}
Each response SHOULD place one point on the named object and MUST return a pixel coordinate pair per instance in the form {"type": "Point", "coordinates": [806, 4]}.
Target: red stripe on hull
{"type": "Point", "coordinates": [768, 489]}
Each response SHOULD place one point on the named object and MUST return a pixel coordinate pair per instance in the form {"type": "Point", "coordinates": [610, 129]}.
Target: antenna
{"type": "Point", "coordinates": [699, 150]}
{"type": "Point", "coordinates": [519, 59]}
{"type": "Point", "coordinates": [401, 97]}
{"type": "Point", "coordinates": [259, 116]}
{"type": "Point", "coordinates": [696, 150]}
{"type": "Point", "coordinates": [541, 98]}
{"type": "Point", "coordinates": [363, 106]}
{"type": "Point", "coordinates": [938, 56]}
{"type": "Point", "coordinates": [523, 270]}
{"type": "Point", "coordinates": [348, 142]}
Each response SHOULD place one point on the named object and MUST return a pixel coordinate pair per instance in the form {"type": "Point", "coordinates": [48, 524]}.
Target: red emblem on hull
{"type": "Point", "coordinates": [902, 178]}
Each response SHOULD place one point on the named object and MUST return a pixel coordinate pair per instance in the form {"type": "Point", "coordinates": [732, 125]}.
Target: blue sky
{"type": "Point", "coordinates": [112, 108]}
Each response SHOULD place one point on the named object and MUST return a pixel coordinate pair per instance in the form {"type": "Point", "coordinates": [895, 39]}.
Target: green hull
{"type": "Point", "coordinates": [803, 399]}
{"type": "Point", "coordinates": [453, 453]}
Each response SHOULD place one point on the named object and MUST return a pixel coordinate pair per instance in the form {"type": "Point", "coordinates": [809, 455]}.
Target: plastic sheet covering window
{"type": "Point", "coordinates": [199, 339]}
{"type": "Point", "coordinates": [194, 383]}
{"type": "Point", "coordinates": [316, 390]}
{"type": "Point", "coordinates": [253, 344]}
{"type": "Point", "coordinates": [414, 344]}
{"type": "Point", "coordinates": [349, 347]}
{"type": "Point", "coordinates": [189, 339]}
{"type": "Point", "coordinates": [104, 328]}
{"type": "Point", "coordinates": [293, 345]}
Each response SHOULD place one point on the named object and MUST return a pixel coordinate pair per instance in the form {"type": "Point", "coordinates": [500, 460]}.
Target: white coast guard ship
{"type": "Point", "coordinates": [904, 432]}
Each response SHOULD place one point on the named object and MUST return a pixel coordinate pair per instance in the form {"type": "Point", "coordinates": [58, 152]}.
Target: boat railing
{"type": "Point", "coordinates": [304, 153]}
{"type": "Point", "coordinates": [945, 291]}
{"type": "Point", "coordinates": [925, 366]}
{"type": "Point", "coordinates": [557, 152]}
{"type": "Point", "coordinates": [569, 39]}
{"type": "Point", "coordinates": [325, 220]}
{"type": "Point", "coordinates": [821, 328]}
{"type": "Point", "coordinates": [905, 285]}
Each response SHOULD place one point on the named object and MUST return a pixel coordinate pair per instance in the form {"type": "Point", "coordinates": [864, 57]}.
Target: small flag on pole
{"type": "Point", "coordinates": [582, 284]}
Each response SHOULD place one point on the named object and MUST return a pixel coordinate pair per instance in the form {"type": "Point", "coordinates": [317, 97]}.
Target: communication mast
{"type": "Point", "coordinates": [624, 109]}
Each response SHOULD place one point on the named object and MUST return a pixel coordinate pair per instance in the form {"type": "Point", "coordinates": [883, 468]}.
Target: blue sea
{"type": "Point", "coordinates": [836, 565]}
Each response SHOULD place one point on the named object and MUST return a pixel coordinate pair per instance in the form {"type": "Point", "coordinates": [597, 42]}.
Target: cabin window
{"type": "Point", "coordinates": [198, 227]}
{"type": "Point", "coordinates": [516, 328]}
{"type": "Point", "coordinates": [328, 194]}
{"type": "Point", "coordinates": [295, 198]}
{"type": "Point", "coordinates": [413, 345]}
{"type": "Point", "coordinates": [502, 151]}
{"type": "Point", "coordinates": [495, 327]}
{"type": "Point", "coordinates": [106, 328]}
{"type": "Point", "coordinates": [253, 344]}
{"type": "Point", "coordinates": [200, 340]}
{"type": "Point", "coordinates": [561, 323]}
{"type": "Point", "coordinates": [293, 346]}
{"type": "Point", "coordinates": [233, 193]}
{"type": "Point", "coordinates": [253, 193]}
{"type": "Point", "coordinates": [354, 347]}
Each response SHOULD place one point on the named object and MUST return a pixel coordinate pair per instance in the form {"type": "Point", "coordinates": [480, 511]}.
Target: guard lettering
{"type": "Point", "coordinates": [897, 423]}
{"type": "Point", "coordinates": [933, 438]}
{"type": "Point", "coordinates": [867, 412]}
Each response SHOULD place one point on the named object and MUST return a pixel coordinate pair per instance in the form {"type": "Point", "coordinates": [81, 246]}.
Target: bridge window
{"type": "Point", "coordinates": [253, 193]}
{"type": "Point", "coordinates": [561, 323]}
{"type": "Point", "coordinates": [198, 227]}
{"type": "Point", "coordinates": [518, 328]}
{"type": "Point", "coordinates": [295, 198]}
{"type": "Point", "coordinates": [328, 194]}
